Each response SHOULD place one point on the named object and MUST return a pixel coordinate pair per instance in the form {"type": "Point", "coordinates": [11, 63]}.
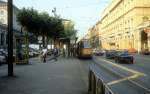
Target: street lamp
{"type": "Point", "coordinates": [54, 11]}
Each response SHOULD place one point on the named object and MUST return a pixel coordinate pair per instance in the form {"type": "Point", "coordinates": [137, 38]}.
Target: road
{"type": "Point", "coordinates": [72, 76]}
{"type": "Point", "coordinates": [125, 78]}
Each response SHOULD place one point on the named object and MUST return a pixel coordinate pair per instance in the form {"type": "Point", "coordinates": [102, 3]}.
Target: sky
{"type": "Point", "coordinates": [84, 13]}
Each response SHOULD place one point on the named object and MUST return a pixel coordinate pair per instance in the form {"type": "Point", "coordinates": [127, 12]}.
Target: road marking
{"type": "Point", "coordinates": [123, 79]}
{"type": "Point", "coordinates": [134, 72]}
{"type": "Point", "coordinates": [135, 75]}
{"type": "Point", "coordinates": [125, 68]}
{"type": "Point", "coordinates": [140, 85]}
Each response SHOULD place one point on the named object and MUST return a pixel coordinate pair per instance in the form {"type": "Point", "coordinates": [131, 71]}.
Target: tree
{"type": "Point", "coordinates": [27, 19]}
{"type": "Point", "coordinates": [44, 25]}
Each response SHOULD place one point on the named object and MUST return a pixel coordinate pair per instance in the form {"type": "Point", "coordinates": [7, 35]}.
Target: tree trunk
{"type": "Point", "coordinates": [27, 47]}
{"type": "Point", "coordinates": [43, 40]}
{"type": "Point", "coordinates": [54, 43]}
{"type": "Point", "coordinates": [51, 44]}
{"type": "Point", "coordinates": [69, 48]}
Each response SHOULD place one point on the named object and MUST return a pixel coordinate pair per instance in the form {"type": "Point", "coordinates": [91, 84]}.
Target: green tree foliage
{"type": "Point", "coordinates": [69, 30]}
{"type": "Point", "coordinates": [27, 18]}
{"type": "Point", "coordinates": [45, 25]}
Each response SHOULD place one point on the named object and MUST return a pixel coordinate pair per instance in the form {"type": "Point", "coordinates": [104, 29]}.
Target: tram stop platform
{"type": "Point", "coordinates": [64, 76]}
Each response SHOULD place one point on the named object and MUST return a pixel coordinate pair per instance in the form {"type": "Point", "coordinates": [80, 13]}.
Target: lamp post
{"type": "Point", "coordinates": [54, 11]}
{"type": "Point", "coordinates": [40, 41]}
{"type": "Point", "coordinates": [10, 37]}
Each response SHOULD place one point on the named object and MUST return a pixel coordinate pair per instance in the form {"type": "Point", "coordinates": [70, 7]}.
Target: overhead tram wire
{"type": "Point", "coordinates": [80, 6]}
{"type": "Point", "coordinates": [31, 3]}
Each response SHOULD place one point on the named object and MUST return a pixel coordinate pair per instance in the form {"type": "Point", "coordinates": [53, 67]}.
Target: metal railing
{"type": "Point", "coordinates": [96, 84]}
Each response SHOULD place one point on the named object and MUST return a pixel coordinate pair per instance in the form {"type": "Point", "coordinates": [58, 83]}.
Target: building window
{"type": "Point", "coordinates": [2, 20]}
{"type": "Point", "coordinates": [2, 39]}
{"type": "Point", "coordinates": [1, 12]}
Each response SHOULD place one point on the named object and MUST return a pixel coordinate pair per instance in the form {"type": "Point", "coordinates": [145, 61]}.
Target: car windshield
{"type": "Point", "coordinates": [86, 45]}
{"type": "Point", "coordinates": [123, 53]}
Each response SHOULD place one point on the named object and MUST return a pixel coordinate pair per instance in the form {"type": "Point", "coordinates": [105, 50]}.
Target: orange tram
{"type": "Point", "coordinates": [84, 49]}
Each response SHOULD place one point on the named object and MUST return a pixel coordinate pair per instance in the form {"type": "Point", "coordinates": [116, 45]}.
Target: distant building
{"type": "Point", "coordinates": [93, 36]}
{"type": "Point", "coordinates": [4, 23]}
{"type": "Point", "coordinates": [125, 24]}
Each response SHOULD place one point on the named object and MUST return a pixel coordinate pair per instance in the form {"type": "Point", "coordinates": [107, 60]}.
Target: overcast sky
{"type": "Point", "coordinates": [84, 13]}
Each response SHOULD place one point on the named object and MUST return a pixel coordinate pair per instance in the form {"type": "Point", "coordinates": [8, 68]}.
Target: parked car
{"type": "Point", "coordinates": [3, 58]}
{"type": "Point", "coordinates": [33, 52]}
{"type": "Point", "coordinates": [145, 52]}
{"type": "Point", "coordinates": [110, 54]}
{"type": "Point", "coordinates": [124, 57]}
{"type": "Point", "coordinates": [99, 52]}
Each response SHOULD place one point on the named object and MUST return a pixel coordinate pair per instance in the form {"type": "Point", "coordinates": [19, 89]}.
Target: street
{"type": "Point", "coordinates": [75, 47]}
{"type": "Point", "coordinates": [126, 78]}
{"type": "Point", "coordinates": [70, 76]}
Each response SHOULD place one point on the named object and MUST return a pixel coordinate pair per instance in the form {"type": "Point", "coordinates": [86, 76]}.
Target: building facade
{"type": "Point", "coordinates": [121, 25]}
{"type": "Point", "coordinates": [4, 23]}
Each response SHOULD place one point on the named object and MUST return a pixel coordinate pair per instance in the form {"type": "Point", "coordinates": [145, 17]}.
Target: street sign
{"type": "Point", "coordinates": [39, 38]}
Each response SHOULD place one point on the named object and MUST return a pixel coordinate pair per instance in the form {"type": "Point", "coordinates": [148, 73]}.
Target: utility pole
{"type": "Point", "coordinates": [10, 37]}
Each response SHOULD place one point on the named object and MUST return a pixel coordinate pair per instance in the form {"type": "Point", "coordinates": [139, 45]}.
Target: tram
{"type": "Point", "coordinates": [84, 49]}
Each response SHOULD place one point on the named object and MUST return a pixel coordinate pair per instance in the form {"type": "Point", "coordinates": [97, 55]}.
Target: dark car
{"type": "Point", "coordinates": [124, 57]}
{"type": "Point", "coordinates": [145, 52]}
{"type": "Point", "coordinates": [110, 54]}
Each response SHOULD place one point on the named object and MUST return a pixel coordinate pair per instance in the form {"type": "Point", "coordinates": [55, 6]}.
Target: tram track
{"type": "Point", "coordinates": [123, 78]}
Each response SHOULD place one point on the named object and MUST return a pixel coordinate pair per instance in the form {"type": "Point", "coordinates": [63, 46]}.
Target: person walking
{"type": "Point", "coordinates": [55, 53]}
{"type": "Point", "coordinates": [44, 53]}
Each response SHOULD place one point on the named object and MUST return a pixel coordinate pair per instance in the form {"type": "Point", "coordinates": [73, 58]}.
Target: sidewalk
{"type": "Point", "coordinates": [65, 76]}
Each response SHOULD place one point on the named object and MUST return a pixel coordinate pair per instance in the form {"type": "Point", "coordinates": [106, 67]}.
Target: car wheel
{"type": "Point", "coordinates": [116, 60]}
{"type": "Point", "coordinates": [132, 62]}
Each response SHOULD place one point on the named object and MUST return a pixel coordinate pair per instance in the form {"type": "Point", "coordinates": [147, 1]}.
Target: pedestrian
{"type": "Point", "coordinates": [55, 52]}
{"type": "Point", "coordinates": [41, 56]}
{"type": "Point", "coordinates": [44, 53]}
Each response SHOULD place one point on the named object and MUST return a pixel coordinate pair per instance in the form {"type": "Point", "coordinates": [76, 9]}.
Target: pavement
{"type": "Point", "coordinates": [64, 76]}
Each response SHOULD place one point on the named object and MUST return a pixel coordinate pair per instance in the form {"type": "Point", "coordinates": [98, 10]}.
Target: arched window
{"type": "Point", "coordinates": [145, 18]}
{"type": "Point", "coordinates": [2, 39]}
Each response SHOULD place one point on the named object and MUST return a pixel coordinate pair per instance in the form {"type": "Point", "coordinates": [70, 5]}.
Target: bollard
{"type": "Point", "coordinates": [96, 84]}
{"type": "Point", "coordinates": [100, 89]}
{"type": "Point", "coordinates": [90, 81]}
{"type": "Point", "coordinates": [93, 88]}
